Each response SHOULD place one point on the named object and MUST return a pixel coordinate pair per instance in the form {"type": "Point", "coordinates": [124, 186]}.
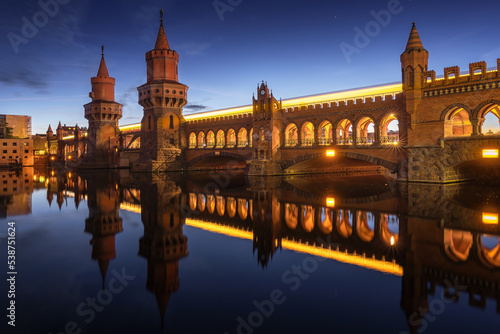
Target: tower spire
{"type": "Point", "coordinates": [161, 40]}
{"type": "Point", "coordinates": [103, 70]}
{"type": "Point", "coordinates": [414, 41]}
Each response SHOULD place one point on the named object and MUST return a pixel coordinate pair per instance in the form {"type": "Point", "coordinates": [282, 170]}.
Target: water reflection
{"type": "Point", "coordinates": [427, 234]}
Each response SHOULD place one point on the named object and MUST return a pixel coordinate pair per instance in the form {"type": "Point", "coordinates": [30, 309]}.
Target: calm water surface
{"type": "Point", "coordinates": [113, 252]}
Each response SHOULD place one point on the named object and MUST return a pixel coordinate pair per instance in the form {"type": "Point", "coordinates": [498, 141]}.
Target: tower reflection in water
{"type": "Point", "coordinates": [430, 235]}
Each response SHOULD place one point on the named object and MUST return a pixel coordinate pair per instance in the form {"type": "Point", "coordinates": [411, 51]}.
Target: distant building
{"type": "Point", "coordinates": [16, 144]}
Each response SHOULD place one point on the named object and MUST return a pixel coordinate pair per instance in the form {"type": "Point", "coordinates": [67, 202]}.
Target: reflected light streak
{"type": "Point", "coordinates": [490, 218]}
{"type": "Point", "coordinates": [378, 265]}
{"type": "Point", "coordinates": [490, 153]}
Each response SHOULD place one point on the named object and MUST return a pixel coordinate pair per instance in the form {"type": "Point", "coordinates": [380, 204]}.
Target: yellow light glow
{"type": "Point", "coordinates": [68, 137]}
{"type": "Point", "coordinates": [383, 266]}
{"type": "Point", "coordinates": [69, 157]}
{"type": "Point", "coordinates": [130, 207]}
{"type": "Point", "coordinates": [52, 173]}
{"type": "Point", "coordinates": [392, 241]}
{"type": "Point", "coordinates": [330, 202]}
{"type": "Point", "coordinates": [490, 154]}
{"type": "Point", "coordinates": [70, 175]}
{"type": "Point", "coordinates": [129, 127]}
{"type": "Point", "coordinates": [396, 142]}
{"type": "Point", "coordinates": [307, 100]}
{"type": "Point", "coordinates": [35, 177]}
{"type": "Point", "coordinates": [330, 153]}
{"type": "Point", "coordinates": [490, 218]}
{"type": "Point", "coordinates": [52, 158]}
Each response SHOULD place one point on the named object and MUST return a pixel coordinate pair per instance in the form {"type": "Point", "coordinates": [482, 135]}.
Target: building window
{"type": "Point", "coordinates": [4, 189]}
{"type": "Point", "coordinates": [14, 151]}
{"type": "Point", "coordinates": [10, 156]}
{"type": "Point", "coordinates": [4, 144]}
{"type": "Point", "coordinates": [26, 181]}
{"type": "Point", "coordinates": [14, 181]}
{"type": "Point", "coordinates": [26, 144]}
{"type": "Point", "coordinates": [14, 144]}
{"type": "Point", "coordinates": [26, 151]}
{"type": "Point", "coordinates": [14, 189]}
{"type": "Point", "coordinates": [171, 121]}
{"type": "Point", "coordinates": [4, 181]}
{"type": "Point", "coordinates": [4, 151]}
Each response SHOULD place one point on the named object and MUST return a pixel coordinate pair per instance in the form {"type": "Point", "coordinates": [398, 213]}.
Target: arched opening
{"type": "Point", "coordinates": [291, 135]}
{"type": "Point", "coordinates": [201, 139]}
{"type": "Point", "coordinates": [210, 204]}
{"type": "Point", "coordinates": [231, 138]}
{"type": "Point", "coordinates": [489, 250]}
{"type": "Point", "coordinates": [171, 122]}
{"type": "Point", "coordinates": [490, 118]}
{"type": "Point", "coordinates": [344, 223]}
{"type": "Point", "coordinates": [325, 222]}
{"type": "Point", "coordinates": [202, 202]}
{"type": "Point", "coordinates": [192, 140]}
{"type": "Point", "coordinates": [307, 218]}
{"type": "Point", "coordinates": [192, 201]}
{"type": "Point", "coordinates": [344, 132]}
{"type": "Point", "coordinates": [307, 134]}
{"type": "Point", "coordinates": [220, 140]}
{"type": "Point", "coordinates": [242, 138]}
{"type": "Point", "coordinates": [325, 133]}
{"type": "Point", "coordinates": [150, 125]}
{"type": "Point", "coordinates": [389, 229]}
{"type": "Point", "coordinates": [210, 139]}
{"type": "Point", "coordinates": [389, 130]}
{"type": "Point", "coordinates": [457, 244]}
{"type": "Point", "coordinates": [365, 226]}
{"type": "Point", "coordinates": [231, 207]}
{"type": "Point", "coordinates": [291, 215]}
{"type": "Point", "coordinates": [262, 134]}
{"type": "Point", "coordinates": [457, 123]}
{"type": "Point", "coordinates": [107, 132]}
{"type": "Point", "coordinates": [365, 131]}
{"type": "Point", "coordinates": [242, 208]}
{"type": "Point", "coordinates": [250, 138]}
{"type": "Point", "coordinates": [221, 205]}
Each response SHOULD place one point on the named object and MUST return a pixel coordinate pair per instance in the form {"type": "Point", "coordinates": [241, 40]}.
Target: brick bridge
{"type": "Point", "coordinates": [425, 128]}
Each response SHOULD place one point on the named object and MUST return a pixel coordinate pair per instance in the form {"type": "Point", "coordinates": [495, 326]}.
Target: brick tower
{"type": "Point", "coordinates": [267, 132]}
{"type": "Point", "coordinates": [414, 61]}
{"type": "Point", "coordinates": [162, 98]}
{"type": "Point", "coordinates": [103, 114]}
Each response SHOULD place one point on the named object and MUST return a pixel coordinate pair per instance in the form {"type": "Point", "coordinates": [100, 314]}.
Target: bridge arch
{"type": "Point", "coordinates": [220, 139]}
{"type": "Point", "coordinates": [488, 249]}
{"type": "Point", "coordinates": [231, 138]}
{"type": "Point", "coordinates": [220, 154]}
{"type": "Point", "coordinates": [392, 166]}
{"type": "Point", "coordinates": [482, 113]}
{"type": "Point", "coordinates": [201, 139]}
{"type": "Point", "coordinates": [242, 137]}
{"type": "Point", "coordinates": [344, 131]}
{"type": "Point", "coordinates": [307, 133]}
{"type": "Point", "coordinates": [192, 140]}
{"type": "Point", "coordinates": [482, 109]}
{"type": "Point", "coordinates": [388, 136]}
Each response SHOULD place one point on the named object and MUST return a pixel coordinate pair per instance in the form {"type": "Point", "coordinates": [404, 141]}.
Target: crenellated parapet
{"type": "Point", "coordinates": [349, 105]}
{"type": "Point", "coordinates": [478, 78]}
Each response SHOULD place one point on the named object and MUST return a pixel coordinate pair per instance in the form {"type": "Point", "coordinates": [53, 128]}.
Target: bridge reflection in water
{"type": "Point", "coordinates": [430, 235]}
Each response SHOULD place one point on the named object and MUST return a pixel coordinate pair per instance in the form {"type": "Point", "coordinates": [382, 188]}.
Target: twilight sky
{"type": "Point", "coordinates": [293, 45]}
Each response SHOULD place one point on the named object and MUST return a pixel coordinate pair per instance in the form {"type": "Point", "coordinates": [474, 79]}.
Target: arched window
{"type": "Point", "coordinates": [149, 122]}
{"type": "Point", "coordinates": [171, 122]}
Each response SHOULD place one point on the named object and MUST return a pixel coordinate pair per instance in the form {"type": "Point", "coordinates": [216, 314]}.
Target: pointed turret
{"type": "Point", "coordinates": [49, 129]}
{"type": "Point", "coordinates": [161, 40]}
{"type": "Point", "coordinates": [103, 70]}
{"type": "Point", "coordinates": [59, 127]}
{"type": "Point", "coordinates": [414, 42]}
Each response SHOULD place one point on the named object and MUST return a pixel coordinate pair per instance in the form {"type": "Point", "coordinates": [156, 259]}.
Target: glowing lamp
{"type": "Point", "coordinates": [330, 153]}
{"type": "Point", "coordinates": [396, 142]}
{"type": "Point", "coordinates": [53, 158]}
{"type": "Point", "coordinates": [490, 218]}
{"type": "Point", "coordinates": [489, 154]}
{"type": "Point", "coordinates": [330, 202]}
{"type": "Point", "coordinates": [69, 157]}
{"type": "Point", "coordinates": [69, 175]}
{"type": "Point", "coordinates": [392, 241]}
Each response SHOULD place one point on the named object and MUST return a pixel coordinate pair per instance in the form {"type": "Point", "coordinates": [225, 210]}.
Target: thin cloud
{"type": "Point", "coordinates": [195, 107]}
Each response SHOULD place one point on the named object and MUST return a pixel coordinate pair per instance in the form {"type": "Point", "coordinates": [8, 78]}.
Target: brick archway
{"type": "Point", "coordinates": [222, 154]}
{"type": "Point", "coordinates": [392, 166]}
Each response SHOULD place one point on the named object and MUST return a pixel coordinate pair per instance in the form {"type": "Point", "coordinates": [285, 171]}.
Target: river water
{"type": "Point", "coordinates": [115, 252]}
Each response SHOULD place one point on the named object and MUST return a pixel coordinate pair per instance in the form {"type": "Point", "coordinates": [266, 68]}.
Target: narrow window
{"type": "Point", "coordinates": [171, 121]}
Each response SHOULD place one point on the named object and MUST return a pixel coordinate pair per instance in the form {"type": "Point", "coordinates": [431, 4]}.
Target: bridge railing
{"type": "Point", "coordinates": [307, 142]}
{"type": "Point", "coordinates": [210, 144]}
{"type": "Point", "coordinates": [220, 144]}
{"type": "Point", "coordinates": [389, 139]}
{"type": "Point", "coordinates": [365, 141]}
{"type": "Point", "coordinates": [325, 141]}
{"type": "Point", "coordinates": [291, 142]}
{"type": "Point", "coordinates": [344, 141]}
{"type": "Point", "coordinates": [231, 144]}
{"type": "Point", "coordinates": [243, 143]}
